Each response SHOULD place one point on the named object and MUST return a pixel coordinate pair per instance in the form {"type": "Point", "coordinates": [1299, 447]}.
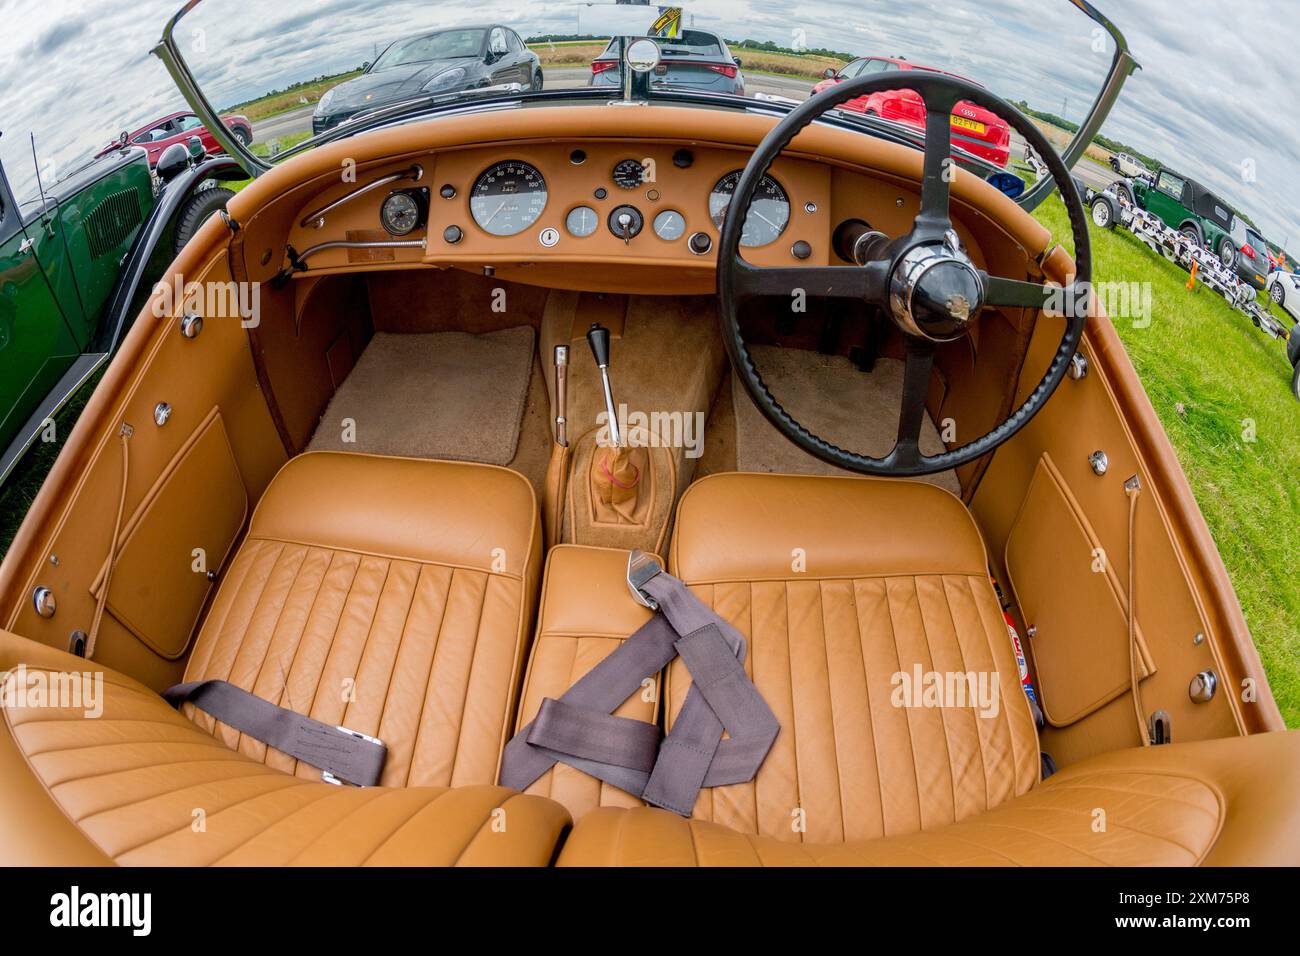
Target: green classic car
{"type": "Point", "coordinates": [75, 260]}
{"type": "Point", "coordinates": [1186, 205]}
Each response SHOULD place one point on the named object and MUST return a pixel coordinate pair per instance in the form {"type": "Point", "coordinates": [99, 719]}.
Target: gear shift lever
{"type": "Point", "coordinates": [598, 339]}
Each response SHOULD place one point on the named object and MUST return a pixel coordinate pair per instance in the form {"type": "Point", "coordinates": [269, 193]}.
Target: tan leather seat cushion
{"type": "Point", "coordinates": [390, 595]}
{"type": "Point", "coordinates": [587, 612]}
{"type": "Point", "coordinates": [894, 575]}
{"type": "Point", "coordinates": [142, 785]}
{"type": "Point", "coordinates": [1224, 802]}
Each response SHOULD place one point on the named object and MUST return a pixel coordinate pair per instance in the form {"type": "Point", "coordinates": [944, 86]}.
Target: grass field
{"type": "Point", "coordinates": [275, 103]}
{"type": "Point", "coordinates": [579, 53]}
{"type": "Point", "coordinates": [1222, 390]}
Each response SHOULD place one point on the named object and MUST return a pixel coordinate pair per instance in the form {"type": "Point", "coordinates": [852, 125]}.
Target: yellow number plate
{"type": "Point", "coordinates": [973, 125]}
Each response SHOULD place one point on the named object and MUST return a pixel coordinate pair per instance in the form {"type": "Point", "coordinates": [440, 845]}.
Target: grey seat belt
{"type": "Point", "coordinates": [578, 728]}
{"type": "Point", "coordinates": [343, 755]}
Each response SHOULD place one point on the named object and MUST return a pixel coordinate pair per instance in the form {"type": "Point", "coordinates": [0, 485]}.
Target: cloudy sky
{"type": "Point", "coordinates": [1216, 98]}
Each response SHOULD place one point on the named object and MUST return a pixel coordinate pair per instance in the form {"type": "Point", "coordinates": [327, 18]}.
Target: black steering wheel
{"type": "Point", "coordinates": [923, 280]}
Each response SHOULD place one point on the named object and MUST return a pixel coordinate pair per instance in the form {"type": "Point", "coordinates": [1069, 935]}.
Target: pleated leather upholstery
{"type": "Point", "coordinates": [587, 611]}
{"type": "Point", "coordinates": [1154, 820]}
{"type": "Point", "coordinates": [145, 786]}
{"type": "Point", "coordinates": [391, 596]}
{"type": "Point", "coordinates": [1226, 802]}
{"type": "Point", "coordinates": [839, 584]}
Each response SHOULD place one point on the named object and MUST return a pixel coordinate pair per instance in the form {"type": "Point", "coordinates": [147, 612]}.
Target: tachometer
{"type": "Point", "coordinates": [769, 211]}
{"type": "Point", "coordinates": [508, 198]}
{"type": "Point", "coordinates": [628, 174]}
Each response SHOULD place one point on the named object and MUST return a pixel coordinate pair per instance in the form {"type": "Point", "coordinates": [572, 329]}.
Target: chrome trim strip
{"type": "Point", "coordinates": [414, 173]}
{"type": "Point", "coordinates": [360, 244]}
{"type": "Point", "coordinates": [1121, 68]}
{"type": "Point", "coordinates": [167, 51]}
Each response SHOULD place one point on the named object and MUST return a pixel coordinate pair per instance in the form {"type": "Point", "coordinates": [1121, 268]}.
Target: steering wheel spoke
{"type": "Point", "coordinates": [865, 283]}
{"type": "Point", "coordinates": [911, 414]}
{"type": "Point", "coordinates": [1053, 300]}
{"type": "Point", "coordinates": [939, 168]}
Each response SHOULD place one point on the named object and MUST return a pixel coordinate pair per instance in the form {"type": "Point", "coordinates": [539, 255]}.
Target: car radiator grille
{"type": "Point", "coordinates": [112, 221]}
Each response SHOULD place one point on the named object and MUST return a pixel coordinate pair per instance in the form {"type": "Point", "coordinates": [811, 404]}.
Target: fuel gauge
{"type": "Point", "coordinates": [581, 221]}
{"type": "Point", "coordinates": [670, 225]}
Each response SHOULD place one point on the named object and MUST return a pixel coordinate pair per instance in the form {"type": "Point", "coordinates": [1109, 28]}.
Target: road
{"type": "Point", "coordinates": [299, 121]}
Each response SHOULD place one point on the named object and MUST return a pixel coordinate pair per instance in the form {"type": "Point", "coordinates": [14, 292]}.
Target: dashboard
{"type": "Point", "coordinates": [594, 214]}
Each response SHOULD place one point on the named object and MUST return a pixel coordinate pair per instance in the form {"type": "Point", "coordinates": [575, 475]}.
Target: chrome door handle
{"type": "Point", "coordinates": [25, 246]}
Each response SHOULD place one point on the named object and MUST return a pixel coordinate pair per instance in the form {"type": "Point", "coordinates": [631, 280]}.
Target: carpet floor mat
{"type": "Point", "coordinates": [433, 395]}
{"type": "Point", "coordinates": [829, 396]}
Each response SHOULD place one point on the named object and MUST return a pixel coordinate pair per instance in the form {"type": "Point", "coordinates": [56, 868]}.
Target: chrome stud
{"type": "Point", "coordinates": [1203, 686]}
{"type": "Point", "coordinates": [1100, 462]}
{"type": "Point", "coordinates": [43, 600]}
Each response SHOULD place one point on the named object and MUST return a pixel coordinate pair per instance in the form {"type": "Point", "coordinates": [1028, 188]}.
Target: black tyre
{"type": "Point", "coordinates": [537, 82]}
{"type": "Point", "coordinates": [1114, 164]}
{"type": "Point", "coordinates": [1125, 194]}
{"type": "Point", "coordinates": [1191, 233]}
{"type": "Point", "coordinates": [242, 135]}
{"type": "Point", "coordinates": [1228, 253]}
{"type": "Point", "coordinates": [196, 210]}
{"type": "Point", "coordinates": [1275, 292]}
{"type": "Point", "coordinates": [1102, 216]}
{"type": "Point", "coordinates": [1295, 383]}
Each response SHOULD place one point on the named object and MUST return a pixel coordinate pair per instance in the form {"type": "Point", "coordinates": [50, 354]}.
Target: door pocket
{"type": "Point", "coordinates": [186, 526]}
{"type": "Point", "coordinates": [1069, 591]}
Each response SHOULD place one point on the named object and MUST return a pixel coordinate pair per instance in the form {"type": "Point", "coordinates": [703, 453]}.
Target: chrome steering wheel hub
{"type": "Point", "coordinates": [935, 291]}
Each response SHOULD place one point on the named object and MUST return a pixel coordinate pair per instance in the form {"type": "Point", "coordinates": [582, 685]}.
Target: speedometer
{"type": "Point", "coordinates": [769, 210]}
{"type": "Point", "coordinates": [508, 198]}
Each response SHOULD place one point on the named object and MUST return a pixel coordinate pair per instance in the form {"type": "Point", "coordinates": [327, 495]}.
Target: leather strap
{"type": "Point", "coordinates": [578, 728]}
{"type": "Point", "coordinates": [340, 753]}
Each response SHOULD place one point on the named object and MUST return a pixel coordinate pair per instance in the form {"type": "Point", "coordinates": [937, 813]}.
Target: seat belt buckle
{"type": "Point", "coordinates": [641, 567]}
{"type": "Point", "coordinates": [326, 776]}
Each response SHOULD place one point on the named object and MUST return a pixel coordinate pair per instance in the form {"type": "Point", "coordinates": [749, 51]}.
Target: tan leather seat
{"type": "Point", "coordinates": [841, 583]}
{"type": "Point", "coordinates": [393, 596]}
{"type": "Point", "coordinates": [587, 612]}
{"type": "Point", "coordinates": [894, 575]}
{"type": "Point", "coordinates": [142, 785]}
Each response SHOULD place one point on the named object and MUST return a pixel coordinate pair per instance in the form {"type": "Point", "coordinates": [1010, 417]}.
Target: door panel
{"type": "Point", "coordinates": [1180, 579]}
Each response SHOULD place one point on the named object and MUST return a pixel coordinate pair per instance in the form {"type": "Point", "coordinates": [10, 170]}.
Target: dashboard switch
{"type": "Point", "coordinates": [700, 243]}
{"type": "Point", "coordinates": [626, 222]}
{"type": "Point", "coordinates": [452, 234]}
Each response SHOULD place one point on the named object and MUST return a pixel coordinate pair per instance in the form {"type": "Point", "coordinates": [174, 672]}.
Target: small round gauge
{"type": "Point", "coordinates": [399, 214]}
{"type": "Point", "coordinates": [629, 174]}
{"type": "Point", "coordinates": [508, 198]}
{"type": "Point", "coordinates": [581, 221]}
{"type": "Point", "coordinates": [670, 225]}
{"type": "Point", "coordinates": [769, 210]}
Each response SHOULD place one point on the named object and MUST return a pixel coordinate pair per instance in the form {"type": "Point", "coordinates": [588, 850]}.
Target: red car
{"type": "Point", "coordinates": [974, 128]}
{"type": "Point", "coordinates": [178, 128]}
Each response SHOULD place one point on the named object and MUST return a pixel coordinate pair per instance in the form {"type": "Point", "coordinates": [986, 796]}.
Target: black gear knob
{"type": "Point", "coordinates": [598, 339]}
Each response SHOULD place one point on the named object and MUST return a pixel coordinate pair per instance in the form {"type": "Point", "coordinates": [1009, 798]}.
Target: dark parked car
{"type": "Point", "coordinates": [178, 128]}
{"type": "Point", "coordinates": [696, 60]}
{"type": "Point", "coordinates": [447, 61]}
{"type": "Point", "coordinates": [1250, 258]}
